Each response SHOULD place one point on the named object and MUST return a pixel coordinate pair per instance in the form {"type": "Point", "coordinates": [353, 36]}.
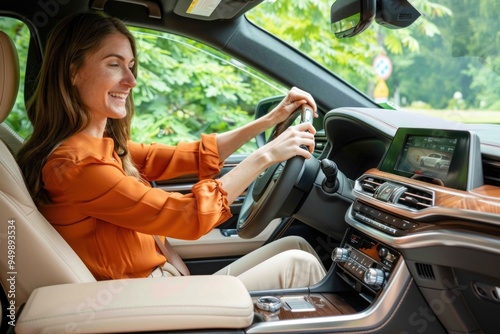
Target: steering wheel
{"type": "Point", "coordinates": [269, 196]}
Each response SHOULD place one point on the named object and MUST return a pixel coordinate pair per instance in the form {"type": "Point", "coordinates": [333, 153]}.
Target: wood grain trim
{"type": "Point", "coordinates": [326, 305]}
{"type": "Point", "coordinates": [485, 199]}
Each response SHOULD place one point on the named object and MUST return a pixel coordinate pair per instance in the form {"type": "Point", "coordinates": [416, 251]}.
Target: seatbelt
{"type": "Point", "coordinates": [171, 255]}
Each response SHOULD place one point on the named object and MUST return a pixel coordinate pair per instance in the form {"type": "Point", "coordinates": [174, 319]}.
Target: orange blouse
{"type": "Point", "coordinates": [109, 218]}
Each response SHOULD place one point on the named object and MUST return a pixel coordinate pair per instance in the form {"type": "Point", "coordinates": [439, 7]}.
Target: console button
{"type": "Point", "coordinates": [269, 303]}
{"type": "Point", "coordinates": [383, 252]}
{"type": "Point", "coordinates": [340, 254]}
{"type": "Point", "coordinates": [374, 277]}
{"type": "Point", "coordinates": [406, 225]}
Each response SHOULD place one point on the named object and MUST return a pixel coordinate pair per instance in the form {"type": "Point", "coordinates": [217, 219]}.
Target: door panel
{"type": "Point", "coordinates": [215, 245]}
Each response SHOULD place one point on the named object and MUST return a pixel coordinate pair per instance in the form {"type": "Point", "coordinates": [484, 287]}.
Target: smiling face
{"type": "Point", "coordinates": [105, 80]}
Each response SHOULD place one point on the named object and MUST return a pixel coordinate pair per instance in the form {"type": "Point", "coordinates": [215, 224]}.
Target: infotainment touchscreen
{"type": "Point", "coordinates": [427, 155]}
{"type": "Point", "coordinates": [439, 156]}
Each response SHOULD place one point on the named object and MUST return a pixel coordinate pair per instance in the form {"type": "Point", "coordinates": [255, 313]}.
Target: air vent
{"type": "Point", "coordinates": [491, 172]}
{"type": "Point", "coordinates": [425, 271]}
{"type": "Point", "coordinates": [416, 199]}
{"type": "Point", "coordinates": [321, 142]}
{"type": "Point", "coordinates": [402, 195]}
{"type": "Point", "coordinates": [370, 184]}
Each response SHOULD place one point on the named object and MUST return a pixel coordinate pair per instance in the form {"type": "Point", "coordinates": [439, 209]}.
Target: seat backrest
{"type": "Point", "coordinates": [9, 86]}
{"type": "Point", "coordinates": [33, 254]}
{"type": "Point", "coordinates": [9, 75]}
{"type": "Point", "coordinates": [10, 138]}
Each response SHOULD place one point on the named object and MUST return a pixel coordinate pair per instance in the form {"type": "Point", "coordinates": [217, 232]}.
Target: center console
{"type": "Point", "coordinates": [364, 263]}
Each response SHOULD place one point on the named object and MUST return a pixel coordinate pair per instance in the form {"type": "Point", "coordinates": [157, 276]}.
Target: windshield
{"type": "Point", "coordinates": [445, 64]}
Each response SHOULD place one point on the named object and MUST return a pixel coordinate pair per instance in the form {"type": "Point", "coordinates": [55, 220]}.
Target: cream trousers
{"type": "Point", "coordinates": [289, 262]}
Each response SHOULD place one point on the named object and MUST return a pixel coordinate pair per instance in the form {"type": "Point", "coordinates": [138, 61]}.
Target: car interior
{"type": "Point", "coordinates": [410, 247]}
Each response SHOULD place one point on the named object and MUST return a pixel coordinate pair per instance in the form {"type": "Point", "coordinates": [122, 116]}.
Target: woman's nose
{"type": "Point", "coordinates": [129, 79]}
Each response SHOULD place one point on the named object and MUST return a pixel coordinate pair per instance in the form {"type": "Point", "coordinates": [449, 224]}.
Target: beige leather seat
{"type": "Point", "coordinates": [40, 270]}
{"type": "Point", "coordinates": [10, 138]}
{"type": "Point", "coordinates": [9, 84]}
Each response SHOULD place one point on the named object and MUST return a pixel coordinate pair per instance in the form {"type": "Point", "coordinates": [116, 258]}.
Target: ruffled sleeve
{"type": "Point", "coordinates": [160, 162]}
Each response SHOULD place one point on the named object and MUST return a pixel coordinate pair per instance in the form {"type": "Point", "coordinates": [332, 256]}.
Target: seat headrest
{"type": "Point", "coordinates": [9, 75]}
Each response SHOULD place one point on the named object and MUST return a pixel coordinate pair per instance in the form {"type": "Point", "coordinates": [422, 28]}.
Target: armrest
{"type": "Point", "coordinates": [135, 305]}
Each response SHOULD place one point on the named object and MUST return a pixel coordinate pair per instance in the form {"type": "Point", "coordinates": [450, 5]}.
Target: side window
{"type": "Point", "coordinates": [185, 88]}
{"type": "Point", "coordinates": [20, 34]}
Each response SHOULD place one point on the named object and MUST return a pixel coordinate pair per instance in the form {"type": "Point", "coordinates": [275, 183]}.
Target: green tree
{"type": "Point", "coordinates": [304, 24]}
{"type": "Point", "coordinates": [477, 36]}
{"type": "Point", "coordinates": [186, 88]}
{"type": "Point", "coordinates": [349, 58]}
{"type": "Point", "coordinates": [466, 61]}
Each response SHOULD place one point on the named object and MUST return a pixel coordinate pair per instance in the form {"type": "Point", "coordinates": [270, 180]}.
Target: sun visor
{"type": "Point", "coordinates": [209, 10]}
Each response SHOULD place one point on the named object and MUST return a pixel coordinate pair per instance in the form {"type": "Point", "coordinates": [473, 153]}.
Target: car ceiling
{"type": "Point", "coordinates": [41, 16]}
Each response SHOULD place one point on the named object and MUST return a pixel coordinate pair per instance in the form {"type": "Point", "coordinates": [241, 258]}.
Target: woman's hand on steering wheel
{"type": "Point", "coordinates": [287, 151]}
{"type": "Point", "coordinates": [291, 102]}
{"type": "Point", "coordinates": [297, 140]}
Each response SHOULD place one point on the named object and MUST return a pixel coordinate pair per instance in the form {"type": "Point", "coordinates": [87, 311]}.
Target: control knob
{"type": "Point", "coordinates": [383, 252]}
{"type": "Point", "coordinates": [340, 254]}
{"type": "Point", "coordinates": [374, 277]}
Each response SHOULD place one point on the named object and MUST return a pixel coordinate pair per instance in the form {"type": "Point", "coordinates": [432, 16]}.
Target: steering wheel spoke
{"type": "Point", "coordinates": [262, 182]}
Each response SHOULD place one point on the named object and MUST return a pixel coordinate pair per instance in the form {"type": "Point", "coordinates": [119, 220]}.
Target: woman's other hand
{"type": "Point", "coordinates": [293, 100]}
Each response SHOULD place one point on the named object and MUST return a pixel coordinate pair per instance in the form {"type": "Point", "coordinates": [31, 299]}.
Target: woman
{"type": "Point", "coordinates": [91, 182]}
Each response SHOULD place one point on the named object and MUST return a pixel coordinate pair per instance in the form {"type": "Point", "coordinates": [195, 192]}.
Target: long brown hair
{"type": "Point", "coordinates": [55, 109]}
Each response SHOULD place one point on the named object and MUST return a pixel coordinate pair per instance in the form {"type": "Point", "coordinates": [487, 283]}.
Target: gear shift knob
{"type": "Point", "coordinates": [329, 168]}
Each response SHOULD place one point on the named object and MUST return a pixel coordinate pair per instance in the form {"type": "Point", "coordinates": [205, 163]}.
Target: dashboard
{"type": "Point", "coordinates": [428, 201]}
{"type": "Point", "coordinates": [416, 208]}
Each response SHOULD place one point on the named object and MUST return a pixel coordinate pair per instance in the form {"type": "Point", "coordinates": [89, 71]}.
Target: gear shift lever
{"type": "Point", "coordinates": [329, 168]}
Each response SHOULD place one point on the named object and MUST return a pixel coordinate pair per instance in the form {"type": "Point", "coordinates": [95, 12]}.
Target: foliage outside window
{"type": "Point", "coordinates": [444, 64]}
{"type": "Point", "coordinates": [186, 88]}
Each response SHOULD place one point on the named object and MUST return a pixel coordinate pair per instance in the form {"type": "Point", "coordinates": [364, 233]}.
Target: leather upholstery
{"type": "Point", "coordinates": [42, 257]}
{"type": "Point", "coordinates": [9, 75]}
{"type": "Point", "coordinates": [9, 86]}
{"type": "Point", "coordinates": [10, 138]}
{"type": "Point", "coordinates": [134, 305]}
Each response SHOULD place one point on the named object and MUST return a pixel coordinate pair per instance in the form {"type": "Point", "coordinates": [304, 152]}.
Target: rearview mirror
{"type": "Point", "coordinates": [351, 17]}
